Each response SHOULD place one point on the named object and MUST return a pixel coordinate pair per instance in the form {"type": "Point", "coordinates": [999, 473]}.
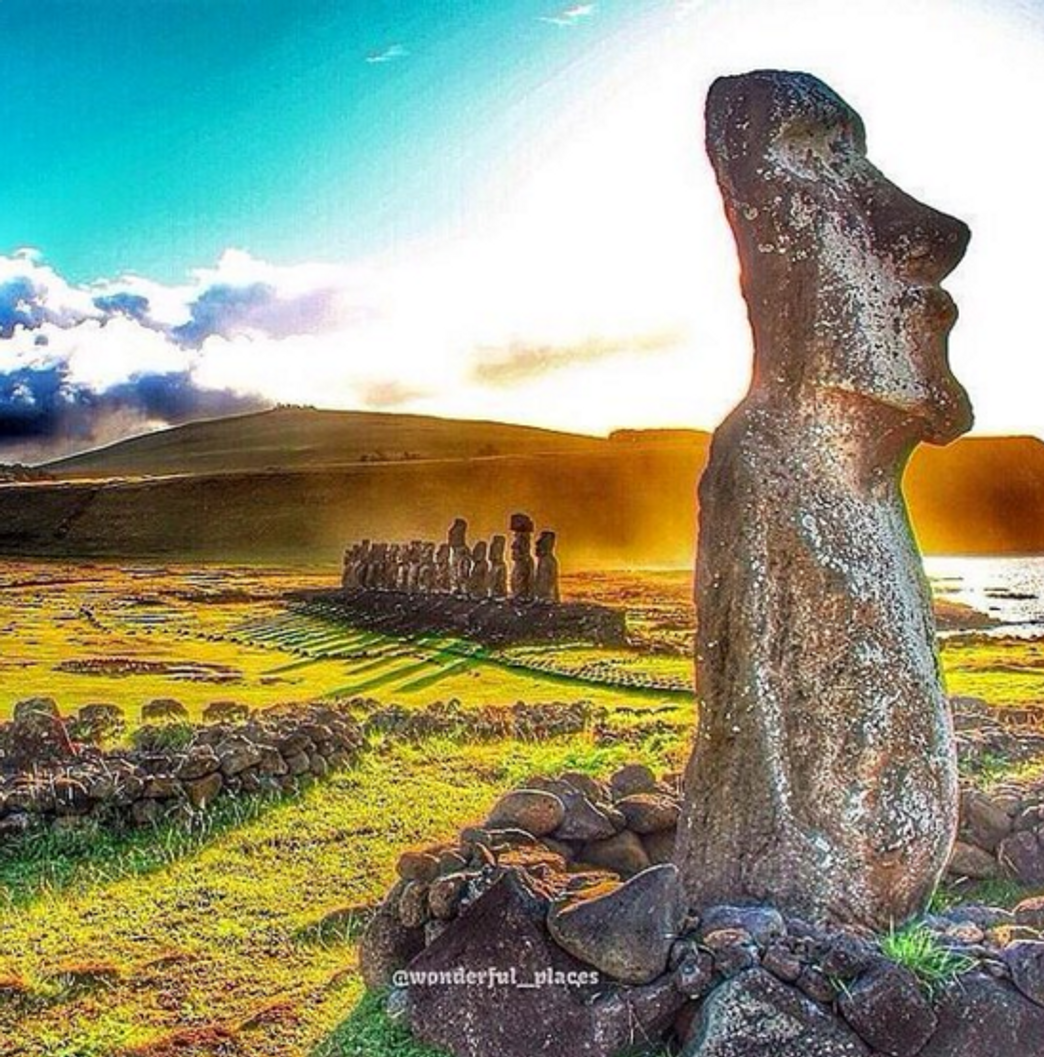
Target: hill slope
{"type": "Point", "coordinates": [305, 438]}
{"type": "Point", "coordinates": [627, 500]}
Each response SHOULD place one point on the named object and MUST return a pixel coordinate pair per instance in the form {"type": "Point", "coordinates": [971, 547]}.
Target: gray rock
{"type": "Point", "coordinates": [982, 1017]}
{"type": "Point", "coordinates": [531, 810]}
{"type": "Point", "coordinates": [985, 823]}
{"type": "Point", "coordinates": [649, 812]}
{"type": "Point", "coordinates": [969, 861]}
{"type": "Point", "coordinates": [755, 1015]}
{"type": "Point", "coordinates": [1025, 959]}
{"type": "Point", "coordinates": [1022, 857]}
{"type": "Point", "coordinates": [624, 853]}
{"type": "Point", "coordinates": [763, 924]}
{"type": "Point", "coordinates": [631, 779]}
{"type": "Point", "coordinates": [626, 932]}
{"type": "Point", "coordinates": [889, 1011]}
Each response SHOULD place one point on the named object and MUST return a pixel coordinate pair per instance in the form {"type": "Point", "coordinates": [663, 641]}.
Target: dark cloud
{"type": "Point", "coordinates": [124, 303]}
{"type": "Point", "coordinates": [224, 310]}
{"type": "Point", "coordinates": [508, 364]}
{"type": "Point", "coordinates": [20, 305]}
{"type": "Point", "coordinates": [41, 405]}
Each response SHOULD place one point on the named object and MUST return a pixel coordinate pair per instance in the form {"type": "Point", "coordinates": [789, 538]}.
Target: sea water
{"type": "Point", "coordinates": [1010, 590]}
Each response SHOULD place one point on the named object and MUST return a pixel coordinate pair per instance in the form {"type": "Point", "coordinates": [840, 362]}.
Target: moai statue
{"type": "Point", "coordinates": [443, 570]}
{"type": "Point", "coordinates": [498, 570]}
{"type": "Point", "coordinates": [413, 561]}
{"type": "Point", "coordinates": [460, 557]}
{"type": "Point", "coordinates": [378, 566]}
{"type": "Point", "coordinates": [521, 557]}
{"type": "Point", "coordinates": [426, 571]}
{"type": "Point", "coordinates": [478, 580]}
{"type": "Point", "coordinates": [350, 568]}
{"type": "Point", "coordinates": [824, 776]}
{"type": "Point", "coordinates": [546, 581]}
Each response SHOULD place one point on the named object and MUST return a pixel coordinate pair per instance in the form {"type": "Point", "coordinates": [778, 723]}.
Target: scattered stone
{"type": "Point", "coordinates": [632, 779]}
{"type": "Point", "coordinates": [627, 932]}
{"type": "Point", "coordinates": [754, 1014]}
{"type": "Point", "coordinates": [889, 1011]}
{"type": "Point", "coordinates": [1025, 960]}
{"type": "Point", "coordinates": [761, 924]}
{"type": "Point", "coordinates": [622, 853]}
{"type": "Point", "coordinates": [1022, 858]}
{"type": "Point", "coordinates": [647, 813]}
{"type": "Point", "coordinates": [972, 862]}
{"type": "Point", "coordinates": [532, 810]}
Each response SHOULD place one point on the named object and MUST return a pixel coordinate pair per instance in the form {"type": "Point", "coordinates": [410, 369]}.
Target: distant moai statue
{"type": "Point", "coordinates": [478, 580]}
{"type": "Point", "coordinates": [824, 776]}
{"type": "Point", "coordinates": [498, 570]}
{"type": "Point", "coordinates": [413, 564]}
{"type": "Point", "coordinates": [401, 568]}
{"type": "Point", "coordinates": [460, 556]}
{"type": "Point", "coordinates": [522, 568]}
{"type": "Point", "coordinates": [426, 570]}
{"type": "Point", "coordinates": [351, 567]}
{"type": "Point", "coordinates": [546, 582]}
{"type": "Point", "coordinates": [443, 584]}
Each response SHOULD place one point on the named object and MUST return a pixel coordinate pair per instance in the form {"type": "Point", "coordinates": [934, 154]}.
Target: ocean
{"type": "Point", "coordinates": [1011, 590]}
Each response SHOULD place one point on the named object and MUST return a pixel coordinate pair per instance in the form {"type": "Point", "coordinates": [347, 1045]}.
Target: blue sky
{"type": "Point", "coordinates": [477, 208]}
{"type": "Point", "coordinates": [153, 134]}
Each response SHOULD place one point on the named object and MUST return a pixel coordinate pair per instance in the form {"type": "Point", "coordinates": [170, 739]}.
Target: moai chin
{"type": "Point", "coordinates": [522, 568]}
{"type": "Point", "coordinates": [498, 570]}
{"type": "Point", "coordinates": [824, 775]}
{"type": "Point", "coordinates": [546, 580]}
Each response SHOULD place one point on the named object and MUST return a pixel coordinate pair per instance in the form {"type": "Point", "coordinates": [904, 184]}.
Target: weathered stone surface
{"type": "Point", "coordinates": [649, 812]}
{"type": "Point", "coordinates": [762, 924]}
{"type": "Point", "coordinates": [494, 1016]}
{"type": "Point", "coordinates": [1025, 959]}
{"type": "Point", "coordinates": [630, 779]}
{"type": "Point", "coordinates": [1022, 857]}
{"type": "Point", "coordinates": [387, 945]}
{"type": "Point", "coordinates": [626, 932]}
{"type": "Point", "coordinates": [986, 823]}
{"type": "Point", "coordinates": [969, 861]}
{"type": "Point", "coordinates": [545, 580]}
{"type": "Point", "coordinates": [623, 853]}
{"type": "Point", "coordinates": [889, 1011]}
{"type": "Point", "coordinates": [532, 810]}
{"type": "Point", "coordinates": [1030, 913]}
{"type": "Point", "coordinates": [981, 1017]}
{"type": "Point", "coordinates": [583, 820]}
{"type": "Point", "coordinates": [755, 1015]}
{"type": "Point", "coordinates": [824, 777]}
{"type": "Point", "coordinates": [201, 791]}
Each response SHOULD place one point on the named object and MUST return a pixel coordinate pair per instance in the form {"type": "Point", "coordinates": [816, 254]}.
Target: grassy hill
{"type": "Point", "coordinates": [296, 484]}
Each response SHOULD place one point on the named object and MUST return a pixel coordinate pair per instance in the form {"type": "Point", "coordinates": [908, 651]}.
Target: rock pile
{"type": "Point", "coordinates": [270, 752]}
{"type": "Point", "coordinates": [562, 912]}
{"type": "Point", "coordinates": [520, 720]}
{"type": "Point", "coordinates": [1001, 834]}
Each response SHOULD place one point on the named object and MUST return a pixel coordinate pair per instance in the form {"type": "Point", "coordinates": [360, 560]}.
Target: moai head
{"type": "Point", "coordinates": [521, 523]}
{"type": "Point", "coordinates": [442, 555]}
{"type": "Point", "coordinates": [496, 548]}
{"type": "Point", "coordinates": [545, 544]}
{"type": "Point", "coordinates": [819, 229]}
{"type": "Point", "coordinates": [478, 552]}
{"type": "Point", "coordinates": [458, 533]}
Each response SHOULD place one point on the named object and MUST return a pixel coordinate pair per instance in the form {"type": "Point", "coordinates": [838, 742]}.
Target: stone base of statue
{"type": "Point", "coordinates": [490, 621]}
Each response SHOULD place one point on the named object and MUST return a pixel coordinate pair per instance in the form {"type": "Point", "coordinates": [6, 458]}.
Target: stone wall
{"type": "Point", "coordinates": [45, 778]}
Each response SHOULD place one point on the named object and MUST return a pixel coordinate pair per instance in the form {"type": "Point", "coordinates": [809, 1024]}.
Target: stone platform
{"type": "Point", "coordinates": [492, 622]}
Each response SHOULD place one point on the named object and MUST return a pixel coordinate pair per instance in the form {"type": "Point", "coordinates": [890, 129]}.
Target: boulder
{"type": "Point", "coordinates": [649, 812]}
{"type": "Point", "coordinates": [626, 932]}
{"type": "Point", "coordinates": [632, 779]}
{"type": "Point", "coordinates": [966, 860]}
{"type": "Point", "coordinates": [985, 823]}
{"type": "Point", "coordinates": [756, 1015]}
{"type": "Point", "coordinates": [889, 1011]}
{"type": "Point", "coordinates": [387, 946]}
{"type": "Point", "coordinates": [491, 949]}
{"type": "Point", "coordinates": [531, 810]}
{"type": "Point", "coordinates": [982, 1017]}
{"type": "Point", "coordinates": [1025, 959]}
{"type": "Point", "coordinates": [622, 853]}
{"type": "Point", "coordinates": [1022, 857]}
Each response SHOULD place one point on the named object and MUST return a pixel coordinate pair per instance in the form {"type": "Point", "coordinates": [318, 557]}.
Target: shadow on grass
{"type": "Point", "coordinates": [46, 861]}
{"type": "Point", "coordinates": [369, 1032]}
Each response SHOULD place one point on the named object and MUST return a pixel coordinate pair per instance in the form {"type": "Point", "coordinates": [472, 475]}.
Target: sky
{"type": "Point", "coordinates": [480, 208]}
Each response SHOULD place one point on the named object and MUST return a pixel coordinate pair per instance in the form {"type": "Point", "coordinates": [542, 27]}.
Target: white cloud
{"type": "Point", "coordinates": [571, 16]}
{"type": "Point", "coordinates": [389, 54]}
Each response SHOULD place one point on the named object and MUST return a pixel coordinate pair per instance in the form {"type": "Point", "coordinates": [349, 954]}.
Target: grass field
{"type": "Point", "coordinates": [239, 939]}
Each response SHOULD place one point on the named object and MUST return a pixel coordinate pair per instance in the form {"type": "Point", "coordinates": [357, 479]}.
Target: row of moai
{"type": "Point", "coordinates": [455, 568]}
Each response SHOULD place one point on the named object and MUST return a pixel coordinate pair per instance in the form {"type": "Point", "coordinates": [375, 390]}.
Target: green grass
{"type": "Point", "coordinates": [918, 949]}
{"type": "Point", "coordinates": [369, 1032]}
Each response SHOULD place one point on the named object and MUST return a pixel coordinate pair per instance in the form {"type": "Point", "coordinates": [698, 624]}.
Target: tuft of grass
{"type": "Point", "coordinates": [996, 892]}
{"type": "Point", "coordinates": [163, 737]}
{"type": "Point", "coordinates": [918, 949]}
{"type": "Point", "coordinates": [370, 1032]}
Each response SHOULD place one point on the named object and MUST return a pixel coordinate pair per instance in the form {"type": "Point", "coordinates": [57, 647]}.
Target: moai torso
{"type": "Point", "coordinates": [443, 570]}
{"type": "Point", "coordinates": [498, 570]}
{"type": "Point", "coordinates": [478, 579]}
{"type": "Point", "coordinates": [546, 579]}
{"type": "Point", "coordinates": [522, 568]}
{"type": "Point", "coordinates": [824, 774]}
